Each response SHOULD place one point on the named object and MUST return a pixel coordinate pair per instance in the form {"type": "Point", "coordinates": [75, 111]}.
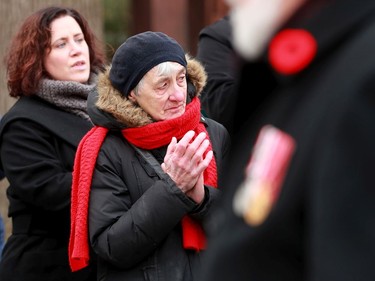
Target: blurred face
{"type": "Point", "coordinates": [69, 58]}
{"type": "Point", "coordinates": [162, 91]}
{"type": "Point", "coordinates": [255, 21]}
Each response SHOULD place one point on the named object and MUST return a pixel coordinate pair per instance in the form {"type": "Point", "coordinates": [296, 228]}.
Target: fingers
{"type": "Point", "coordinates": [206, 161]}
{"type": "Point", "coordinates": [184, 143]}
{"type": "Point", "coordinates": [198, 148]}
{"type": "Point", "coordinates": [170, 150]}
{"type": "Point", "coordinates": [186, 160]}
{"type": "Point", "coordinates": [172, 146]}
{"type": "Point", "coordinates": [192, 150]}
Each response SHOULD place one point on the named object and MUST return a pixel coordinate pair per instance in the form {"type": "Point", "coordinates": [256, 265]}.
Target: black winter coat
{"type": "Point", "coordinates": [215, 52]}
{"type": "Point", "coordinates": [322, 225]}
{"type": "Point", "coordinates": [134, 215]}
{"type": "Point", "coordinates": [41, 139]}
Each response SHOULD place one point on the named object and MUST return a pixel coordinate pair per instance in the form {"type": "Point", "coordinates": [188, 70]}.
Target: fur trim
{"type": "Point", "coordinates": [121, 108]}
{"type": "Point", "coordinates": [125, 111]}
{"type": "Point", "coordinates": [196, 73]}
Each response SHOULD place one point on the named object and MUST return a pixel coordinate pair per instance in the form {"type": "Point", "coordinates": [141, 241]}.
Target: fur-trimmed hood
{"type": "Point", "coordinates": [109, 108]}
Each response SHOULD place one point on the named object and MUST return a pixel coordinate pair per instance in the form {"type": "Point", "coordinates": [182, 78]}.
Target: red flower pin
{"type": "Point", "coordinates": [291, 50]}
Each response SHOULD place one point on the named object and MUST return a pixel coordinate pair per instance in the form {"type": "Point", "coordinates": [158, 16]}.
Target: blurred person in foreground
{"type": "Point", "coordinates": [148, 174]}
{"type": "Point", "coordinates": [52, 66]}
{"type": "Point", "coordinates": [299, 191]}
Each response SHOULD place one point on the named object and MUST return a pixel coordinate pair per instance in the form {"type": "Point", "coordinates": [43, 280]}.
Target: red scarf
{"type": "Point", "coordinates": [149, 137]}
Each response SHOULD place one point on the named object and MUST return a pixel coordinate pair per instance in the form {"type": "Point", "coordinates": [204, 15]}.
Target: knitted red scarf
{"type": "Point", "coordinates": [150, 136]}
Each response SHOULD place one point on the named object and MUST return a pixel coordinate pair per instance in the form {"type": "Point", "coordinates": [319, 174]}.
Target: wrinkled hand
{"type": "Point", "coordinates": [184, 163]}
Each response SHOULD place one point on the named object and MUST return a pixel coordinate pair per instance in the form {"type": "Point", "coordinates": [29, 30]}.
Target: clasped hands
{"type": "Point", "coordinates": [185, 163]}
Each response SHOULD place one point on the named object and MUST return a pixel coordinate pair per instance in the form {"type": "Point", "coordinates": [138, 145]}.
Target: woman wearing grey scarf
{"type": "Point", "coordinates": [52, 67]}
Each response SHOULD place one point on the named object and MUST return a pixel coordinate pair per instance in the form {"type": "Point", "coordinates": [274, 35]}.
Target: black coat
{"type": "Point", "coordinates": [37, 145]}
{"type": "Point", "coordinates": [135, 215]}
{"type": "Point", "coordinates": [215, 52]}
{"type": "Point", "coordinates": [322, 225]}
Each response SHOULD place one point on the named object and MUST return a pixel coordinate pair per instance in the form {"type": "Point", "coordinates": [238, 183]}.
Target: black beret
{"type": "Point", "coordinates": [140, 53]}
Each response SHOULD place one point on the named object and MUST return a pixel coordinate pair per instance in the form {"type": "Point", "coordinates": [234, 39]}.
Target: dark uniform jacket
{"type": "Point", "coordinates": [135, 215]}
{"type": "Point", "coordinates": [38, 143]}
{"type": "Point", "coordinates": [321, 227]}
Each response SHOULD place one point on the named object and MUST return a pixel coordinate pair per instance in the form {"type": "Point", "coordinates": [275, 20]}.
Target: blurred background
{"type": "Point", "coordinates": [113, 21]}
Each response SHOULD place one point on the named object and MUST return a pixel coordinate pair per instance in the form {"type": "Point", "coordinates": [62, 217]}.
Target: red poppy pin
{"type": "Point", "coordinates": [291, 50]}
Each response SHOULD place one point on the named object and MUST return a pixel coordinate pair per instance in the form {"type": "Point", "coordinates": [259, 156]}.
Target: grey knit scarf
{"type": "Point", "coordinates": [68, 95]}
